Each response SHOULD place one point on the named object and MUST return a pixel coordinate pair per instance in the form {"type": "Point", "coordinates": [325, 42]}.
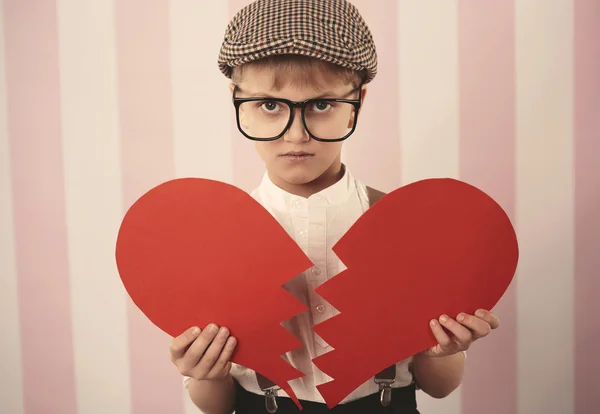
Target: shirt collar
{"type": "Point", "coordinates": [279, 199]}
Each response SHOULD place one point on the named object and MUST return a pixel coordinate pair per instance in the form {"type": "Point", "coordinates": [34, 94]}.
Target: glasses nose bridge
{"type": "Point", "coordinates": [296, 105]}
{"type": "Point", "coordinates": [296, 122]}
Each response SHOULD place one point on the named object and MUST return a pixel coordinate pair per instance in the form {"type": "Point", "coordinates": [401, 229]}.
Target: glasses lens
{"type": "Point", "coordinates": [263, 119]}
{"type": "Point", "coordinates": [326, 120]}
{"type": "Point", "coordinates": [329, 120]}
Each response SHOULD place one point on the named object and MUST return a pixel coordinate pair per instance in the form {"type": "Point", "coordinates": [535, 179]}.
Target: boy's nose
{"type": "Point", "coordinates": [297, 132]}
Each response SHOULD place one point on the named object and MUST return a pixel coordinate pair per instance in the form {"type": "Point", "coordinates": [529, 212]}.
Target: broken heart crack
{"type": "Point", "coordinates": [291, 376]}
{"type": "Point", "coordinates": [289, 332]}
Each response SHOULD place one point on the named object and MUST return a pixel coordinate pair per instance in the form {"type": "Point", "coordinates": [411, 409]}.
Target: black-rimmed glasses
{"type": "Point", "coordinates": [325, 119]}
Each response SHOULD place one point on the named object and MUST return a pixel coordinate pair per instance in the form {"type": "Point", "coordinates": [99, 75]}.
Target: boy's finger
{"type": "Point", "coordinates": [479, 327]}
{"type": "Point", "coordinates": [489, 317]}
{"type": "Point", "coordinates": [180, 343]}
{"type": "Point", "coordinates": [224, 358]}
{"type": "Point", "coordinates": [198, 347]}
{"type": "Point", "coordinates": [462, 334]}
{"type": "Point", "coordinates": [207, 361]}
{"type": "Point", "coordinates": [440, 335]}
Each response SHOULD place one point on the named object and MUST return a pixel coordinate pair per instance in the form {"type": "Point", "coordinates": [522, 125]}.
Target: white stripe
{"type": "Point", "coordinates": [429, 111]}
{"type": "Point", "coordinates": [92, 160]}
{"type": "Point", "coordinates": [544, 209]}
{"type": "Point", "coordinates": [202, 109]}
{"type": "Point", "coordinates": [428, 89]}
{"type": "Point", "coordinates": [11, 380]}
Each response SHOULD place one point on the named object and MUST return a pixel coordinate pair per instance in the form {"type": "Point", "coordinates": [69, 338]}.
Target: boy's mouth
{"type": "Point", "coordinates": [296, 155]}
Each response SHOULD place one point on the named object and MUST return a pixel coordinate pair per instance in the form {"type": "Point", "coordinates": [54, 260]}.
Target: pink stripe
{"type": "Point", "coordinates": [487, 160]}
{"type": "Point", "coordinates": [143, 53]}
{"type": "Point", "coordinates": [248, 168]}
{"type": "Point", "coordinates": [32, 70]}
{"type": "Point", "coordinates": [377, 136]}
{"type": "Point", "coordinates": [587, 203]}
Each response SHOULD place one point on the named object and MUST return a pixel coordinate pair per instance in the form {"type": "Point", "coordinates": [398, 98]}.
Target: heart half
{"type": "Point", "coordinates": [194, 251]}
{"type": "Point", "coordinates": [437, 246]}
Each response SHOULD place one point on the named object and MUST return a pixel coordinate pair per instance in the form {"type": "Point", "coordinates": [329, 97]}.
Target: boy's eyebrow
{"type": "Point", "coordinates": [328, 94]}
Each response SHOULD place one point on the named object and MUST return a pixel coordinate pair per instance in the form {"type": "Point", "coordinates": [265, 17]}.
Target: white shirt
{"type": "Point", "coordinates": [316, 224]}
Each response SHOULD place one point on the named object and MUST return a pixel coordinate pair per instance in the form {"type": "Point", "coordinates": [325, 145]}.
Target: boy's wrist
{"type": "Point", "coordinates": [437, 376]}
{"type": "Point", "coordinates": [426, 354]}
{"type": "Point", "coordinates": [226, 379]}
{"type": "Point", "coordinates": [213, 395]}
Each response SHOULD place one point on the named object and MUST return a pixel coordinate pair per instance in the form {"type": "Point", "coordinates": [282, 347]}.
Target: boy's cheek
{"type": "Point", "coordinates": [262, 149]}
{"type": "Point", "coordinates": [351, 120]}
{"type": "Point", "coordinates": [243, 119]}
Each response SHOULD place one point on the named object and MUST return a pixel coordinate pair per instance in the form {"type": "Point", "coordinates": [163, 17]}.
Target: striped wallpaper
{"type": "Point", "coordinates": [101, 100]}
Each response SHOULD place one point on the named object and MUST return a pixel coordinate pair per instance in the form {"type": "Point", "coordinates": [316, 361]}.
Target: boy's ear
{"type": "Point", "coordinates": [364, 94]}
{"type": "Point", "coordinates": [231, 87]}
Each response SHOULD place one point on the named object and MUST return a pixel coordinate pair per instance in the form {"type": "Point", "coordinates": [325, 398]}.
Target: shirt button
{"type": "Point", "coordinates": [303, 233]}
{"type": "Point", "coordinates": [316, 271]}
{"type": "Point", "coordinates": [320, 308]}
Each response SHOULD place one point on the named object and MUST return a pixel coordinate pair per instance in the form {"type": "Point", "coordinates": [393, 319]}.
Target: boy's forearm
{"type": "Point", "coordinates": [213, 396]}
{"type": "Point", "coordinates": [439, 376]}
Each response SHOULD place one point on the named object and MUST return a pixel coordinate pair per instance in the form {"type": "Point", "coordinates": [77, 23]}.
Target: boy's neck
{"type": "Point", "coordinates": [331, 176]}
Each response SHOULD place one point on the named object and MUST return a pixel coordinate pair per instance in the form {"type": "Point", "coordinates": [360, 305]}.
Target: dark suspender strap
{"type": "Point", "coordinates": [374, 195]}
{"type": "Point", "coordinates": [384, 379]}
{"type": "Point", "coordinates": [270, 390]}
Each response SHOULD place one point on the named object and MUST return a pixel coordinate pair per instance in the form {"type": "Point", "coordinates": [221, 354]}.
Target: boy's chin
{"type": "Point", "coordinates": [299, 176]}
{"type": "Point", "coordinates": [298, 179]}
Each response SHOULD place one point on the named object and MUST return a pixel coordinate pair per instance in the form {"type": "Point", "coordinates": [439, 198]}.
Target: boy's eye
{"type": "Point", "coordinates": [270, 106]}
{"type": "Point", "coordinates": [321, 106]}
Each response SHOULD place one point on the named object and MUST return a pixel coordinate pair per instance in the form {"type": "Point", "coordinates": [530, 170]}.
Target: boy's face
{"type": "Point", "coordinates": [318, 161]}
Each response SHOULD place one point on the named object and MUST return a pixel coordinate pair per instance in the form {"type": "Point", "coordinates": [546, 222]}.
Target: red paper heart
{"type": "Point", "coordinates": [434, 247]}
{"type": "Point", "coordinates": [195, 251]}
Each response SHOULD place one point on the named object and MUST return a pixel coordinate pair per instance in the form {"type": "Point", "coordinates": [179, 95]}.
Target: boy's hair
{"type": "Point", "coordinates": [315, 36]}
{"type": "Point", "coordinates": [302, 71]}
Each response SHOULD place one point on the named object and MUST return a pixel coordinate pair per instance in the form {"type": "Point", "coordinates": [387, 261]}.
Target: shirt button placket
{"type": "Point", "coordinates": [317, 215]}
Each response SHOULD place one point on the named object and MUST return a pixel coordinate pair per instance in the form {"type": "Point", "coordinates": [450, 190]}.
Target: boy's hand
{"type": "Point", "coordinates": [465, 330]}
{"type": "Point", "coordinates": [203, 355]}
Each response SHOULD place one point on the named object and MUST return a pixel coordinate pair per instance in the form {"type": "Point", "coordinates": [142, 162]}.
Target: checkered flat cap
{"type": "Point", "coordinates": [331, 30]}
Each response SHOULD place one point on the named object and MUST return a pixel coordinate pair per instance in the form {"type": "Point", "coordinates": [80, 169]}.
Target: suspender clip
{"type": "Point", "coordinates": [385, 379]}
{"type": "Point", "coordinates": [271, 399]}
{"type": "Point", "coordinates": [385, 391]}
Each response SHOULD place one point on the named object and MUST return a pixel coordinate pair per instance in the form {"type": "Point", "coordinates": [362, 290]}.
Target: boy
{"type": "Point", "coordinates": [299, 72]}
